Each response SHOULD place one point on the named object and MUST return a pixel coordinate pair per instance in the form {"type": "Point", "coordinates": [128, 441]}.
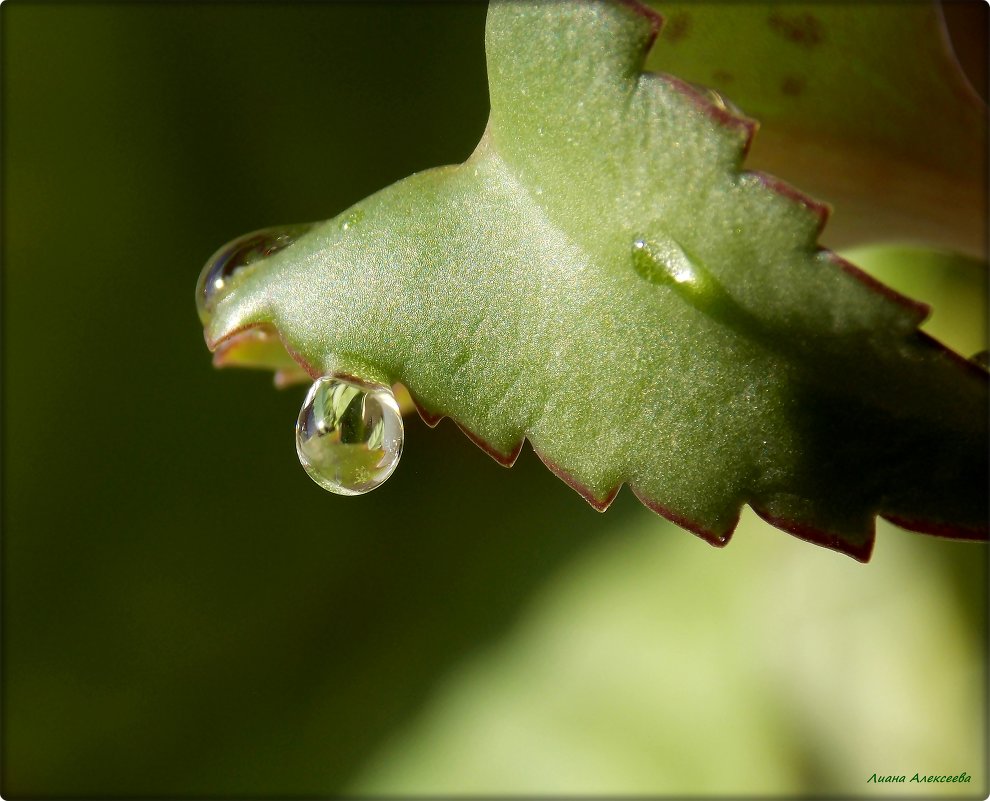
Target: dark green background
{"type": "Point", "coordinates": [184, 612]}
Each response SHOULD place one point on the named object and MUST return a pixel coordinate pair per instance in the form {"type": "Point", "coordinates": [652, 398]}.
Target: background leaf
{"type": "Point", "coordinates": [609, 686]}
{"type": "Point", "coordinates": [861, 106]}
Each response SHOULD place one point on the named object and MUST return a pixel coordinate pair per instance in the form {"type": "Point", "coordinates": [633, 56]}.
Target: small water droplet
{"type": "Point", "coordinates": [352, 219]}
{"type": "Point", "coordinates": [215, 278]}
{"type": "Point", "coordinates": [662, 261]}
{"type": "Point", "coordinates": [982, 359]}
{"type": "Point", "coordinates": [349, 435]}
{"type": "Point", "coordinates": [717, 99]}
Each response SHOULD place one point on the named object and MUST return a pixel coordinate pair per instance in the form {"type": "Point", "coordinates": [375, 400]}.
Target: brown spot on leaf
{"type": "Point", "coordinates": [677, 28]}
{"type": "Point", "coordinates": [802, 29]}
{"type": "Point", "coordinates": [792, 86]}
{"type": "Point", "coordinates": [722, 76]}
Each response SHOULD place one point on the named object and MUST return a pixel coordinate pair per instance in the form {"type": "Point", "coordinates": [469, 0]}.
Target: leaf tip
{"type": "Point", "coordinates": [653, 18]}
{"type": "Point", "coordinates": [432, 420]}
{"type": "Point", "coordinates": [714, 538]}
{"type": "Point", "coordinates": [819, 211]}
{"type": "Point", "coordinates": [939, 529]}
{"type": "Point", "coordinates": [598, 502]}
{"type": "Point", "coordinates": [744, 127]}
{"type": "Point", "coordinates": [861, 551]}
{"type": "Point", "coordinates": [917, 310]}
{"type": "Point", "coordinates": [504, 458]}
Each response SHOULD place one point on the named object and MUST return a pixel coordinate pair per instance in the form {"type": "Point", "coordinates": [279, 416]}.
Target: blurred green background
{"type": "Point", "coordinates": [186, 614]}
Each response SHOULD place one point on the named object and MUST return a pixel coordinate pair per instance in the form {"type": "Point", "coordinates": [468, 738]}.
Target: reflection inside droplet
{"type": "Point", "coordinates": [349, 435]}
{"type": "Point", "coordinates": [246, 250]}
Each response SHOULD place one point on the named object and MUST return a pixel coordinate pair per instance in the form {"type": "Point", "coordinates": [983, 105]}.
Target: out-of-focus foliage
{"type": "Point", "coordinates": [613, 685]}
{"type": "Point", "coordinates": [863, 105]}
{"type": "Point", "coordinates": [184, 612]}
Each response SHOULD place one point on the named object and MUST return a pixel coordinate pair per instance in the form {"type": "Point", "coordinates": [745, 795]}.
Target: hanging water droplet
{"type": "Point", "coordinates": [246, 250]}
{"type": "Point", "coordinates": [349, 435]}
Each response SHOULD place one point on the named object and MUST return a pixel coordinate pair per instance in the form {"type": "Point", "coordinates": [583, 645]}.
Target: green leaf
{"type": "Point", "coordinates": [863, 105]}
{"type": "Point", "coordinates": [602, 278]}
